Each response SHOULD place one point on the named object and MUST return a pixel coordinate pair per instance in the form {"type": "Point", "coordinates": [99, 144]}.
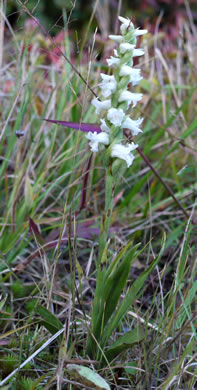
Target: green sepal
{"type": "Point", "coordinates": [123, 83]}
{"type": "Point", "coordinates": [130, 38]}
{"type": "Point", "coordinates": [118, 168]}
{"type": "Point", "coordinates": [126, 58]}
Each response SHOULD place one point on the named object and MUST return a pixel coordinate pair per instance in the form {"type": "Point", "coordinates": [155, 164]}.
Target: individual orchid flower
{"type": "Point", "coordinates": [126, 22]}
{"type": "Point", "coordinates": [108, 84]}
{"type": "Point", "coordinates": [138, 52]}
{"type": "Point", "coordinates": [101, 105]}
{"type": "Point", "coordinates": [113, 61]}
{"type": "Point", "coordinates": [104, 126]}
{"type": "Point", "coordinates": [139, 32]}
{"type": "Point", "coordinates": [132, 125]}
{"type": "Point", "coordinates": [116, 38]}
{"type": "Point", "coordinates": [126, 47]}
{"type": "Point", "coordinates": [115, 116]}
{"type": "Point", "coordinates": [96, 139]}
{"type": "Point", "coordinates": [124, 152]}
{"type": "Point", "coordinates": [127, 96]}
{"type": "Point", "coordinates": [134, 74]}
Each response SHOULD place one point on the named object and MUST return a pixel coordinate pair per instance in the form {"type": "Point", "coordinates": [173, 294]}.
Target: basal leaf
{"type": "Point", "coordinates": [124, 342]}
{"type": "Point", "coordinates": [131, 296]}
{"type": "Point", "coordinates": [50, 322]}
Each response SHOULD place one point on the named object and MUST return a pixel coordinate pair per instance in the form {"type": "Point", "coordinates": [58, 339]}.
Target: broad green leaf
{"type": "Point", "coordinates": [116, 282]}
{"type": "Point", "coordinates": [124, 342]}
{"type": "Point", "coordinates": [50, 322]}
{"type": "Point", "coordinates": [86, 377]}
{"type": "Point", "coordinates": [117, 259]}
{"type": "Point", "coordinates": [110, 284]}
{"type": "Point", "coordinates": [130, 368]}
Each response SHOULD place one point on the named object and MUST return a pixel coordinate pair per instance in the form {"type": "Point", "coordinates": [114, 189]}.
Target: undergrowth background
{"type": "Point", "coordinates": [49, 232]}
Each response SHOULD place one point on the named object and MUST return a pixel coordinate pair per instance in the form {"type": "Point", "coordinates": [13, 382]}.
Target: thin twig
{"type": "Point", "coordinates": [85, 184]}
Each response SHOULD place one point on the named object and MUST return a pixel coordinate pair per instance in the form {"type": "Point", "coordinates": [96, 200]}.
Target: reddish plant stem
{"type": "Point", "coordinates": [85, 184]}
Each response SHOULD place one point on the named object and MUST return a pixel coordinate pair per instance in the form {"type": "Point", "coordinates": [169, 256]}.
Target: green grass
{"type": "Point", "coordinates": [49, 246]}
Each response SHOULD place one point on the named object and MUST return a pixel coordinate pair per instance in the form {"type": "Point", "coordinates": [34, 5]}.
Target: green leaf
{"type": "Point", "coordinates": [28, 193]}
{"type": "Point", "coordinates": [116, 282]}
{"type": "Point", "coordinates": [131, 296]}
{"type": "Point", "coordinates": [131, 368]}
{"type": "Point", "coordinates": [110, 284]}
{"type": "Point", "coordinates": [87, 377]}
{"type": "Point", "coordinates": [50, 322]}
{"type": "Point", "coordinates": [124, 342]}
{"type": "Point", "coordinates": [2, 303]}
{"type": "Point", "coordinates": [8, 240]}
{"type": "Point", "coordinates": [98, 306]}
{"type": "Point", "coordinates": [117, 259]}
{"type": "Point", "coordinates": [186, 310]}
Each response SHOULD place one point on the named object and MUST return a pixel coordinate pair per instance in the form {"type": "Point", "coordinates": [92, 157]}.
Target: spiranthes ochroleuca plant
{"type": "Point", "coordinates": [117, 98]}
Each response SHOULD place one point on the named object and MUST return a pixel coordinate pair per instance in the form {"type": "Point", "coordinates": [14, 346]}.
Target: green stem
{"type": "Point", "coordinates": [106, 220]}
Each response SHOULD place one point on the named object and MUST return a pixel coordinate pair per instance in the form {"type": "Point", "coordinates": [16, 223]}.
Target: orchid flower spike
{"type": "Point", "coordinates": [116, 96]}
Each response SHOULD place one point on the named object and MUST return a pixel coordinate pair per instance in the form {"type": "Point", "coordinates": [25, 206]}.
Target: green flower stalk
{"type": "Point", "coordinates": [118, 98]}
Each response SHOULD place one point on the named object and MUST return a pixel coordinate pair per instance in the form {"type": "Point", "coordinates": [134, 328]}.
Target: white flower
{"type": "Point", "coordinates": [96, 138]}
{"type": "Point", "coordinates": [116, 53]}
{"type": "Point", "coordinates": [126, 47]}
{"type": "Point", "coordinates": [138, 52]}
{"type": "Point", "coordinates": [108, 84]}
{"type": "Point", "coordinates": [124, 152]}
{"type": "Point", "coordinates": [123, 20]}
{"type": "Point", "coordinates": [104, 126]}
{"type": "Point", "coordinates": [132, 125]}
{"type": "Point", "coordinates": [134, 74]}
{"type": "Point", "coordinates": [116, 38]}
{"type": "Point", "coordinates": [138, 32]}
{"type": "Point", "coordinates": [130, 97]}
{"type": "Point", "coordinates": [115, 116]}
{"type": "Point", "coordinates": [104, 105]}
{"type": "Point", "coordinates": [125, 24]}
{"type": "Point", "coordinates": [113, 61]}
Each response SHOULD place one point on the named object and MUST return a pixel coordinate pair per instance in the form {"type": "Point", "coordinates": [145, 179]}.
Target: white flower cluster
{"type": "Point", "coordinates": [118, 97]}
